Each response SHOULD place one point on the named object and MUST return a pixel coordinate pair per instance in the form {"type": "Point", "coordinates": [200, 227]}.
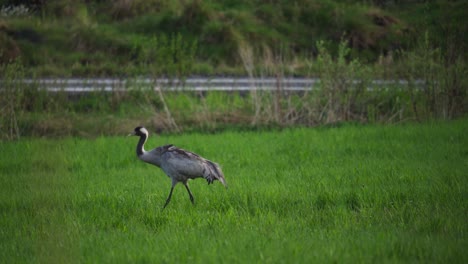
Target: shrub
{"type": "Point", "coordinates": [10, 101]}
{"type": "Point", "coordinates": [443, 93]}
{"type": "Point", "coordinates": [343, 85]}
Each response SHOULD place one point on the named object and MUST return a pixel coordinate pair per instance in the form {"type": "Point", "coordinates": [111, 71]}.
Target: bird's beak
{"type": "Point", "coordinates": [131, 134]}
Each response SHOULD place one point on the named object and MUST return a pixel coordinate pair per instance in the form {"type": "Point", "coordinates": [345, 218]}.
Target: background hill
{"type": "Point", "coordinates": [123, 37]}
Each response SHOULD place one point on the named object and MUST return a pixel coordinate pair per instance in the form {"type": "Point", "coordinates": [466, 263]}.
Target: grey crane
{"type": "Point", "coordinates": [180, 165]}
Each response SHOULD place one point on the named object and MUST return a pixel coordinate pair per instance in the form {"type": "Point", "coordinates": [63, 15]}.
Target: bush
{"type": "Point", "coordinates": [443, 93]}
{"type": "Point", "coordinates": [343, 85]}
{"type": "Point", "coordinates": [11, 99]}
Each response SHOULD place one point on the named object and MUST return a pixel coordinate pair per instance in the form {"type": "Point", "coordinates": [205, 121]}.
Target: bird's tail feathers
{"type": "Point", "coordinates": [214, 172]}
{"type": "Point", "coordinates": [223, 181]}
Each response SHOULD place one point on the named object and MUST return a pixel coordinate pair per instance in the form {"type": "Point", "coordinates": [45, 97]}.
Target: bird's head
{"type": "Point", "coordinates": [139, 131]}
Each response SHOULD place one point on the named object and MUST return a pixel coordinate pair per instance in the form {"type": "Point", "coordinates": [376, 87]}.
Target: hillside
{"type": "Point", "coordinates": [125, 38]}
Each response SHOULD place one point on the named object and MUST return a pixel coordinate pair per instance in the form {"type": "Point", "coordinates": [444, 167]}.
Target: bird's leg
{"type": "Point", "coordinates": [169, 197]}
{"type": "Point", "coordinates": [189, 192]}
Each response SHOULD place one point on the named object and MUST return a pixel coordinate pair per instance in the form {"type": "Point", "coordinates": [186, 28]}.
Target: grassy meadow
{"type": "Point", "coordinates": [353, 193]}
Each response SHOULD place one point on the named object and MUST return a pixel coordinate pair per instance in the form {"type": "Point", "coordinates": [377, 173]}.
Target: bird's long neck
{"type": "Point", "coordinates": [140, 149]}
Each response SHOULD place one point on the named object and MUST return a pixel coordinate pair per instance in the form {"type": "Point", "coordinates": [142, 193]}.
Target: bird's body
{"type": "Point", "coordinates": [180, 165]}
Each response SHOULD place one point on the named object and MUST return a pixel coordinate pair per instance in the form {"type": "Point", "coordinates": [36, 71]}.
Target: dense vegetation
{"type": "Point", "coordinates": [362, 194]}
{"type": "Point", "coordinates": [343, 95]}
{"type": "Point", "coordinates": [107, 38]}
{"type": "Point", "coordinates": [346, 45]}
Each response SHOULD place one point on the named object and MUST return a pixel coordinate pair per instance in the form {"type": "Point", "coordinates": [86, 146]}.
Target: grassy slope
{"type": "Point", "coordinates": [103, 38]}
{"type": "Point", "coordinates": [354, 193]}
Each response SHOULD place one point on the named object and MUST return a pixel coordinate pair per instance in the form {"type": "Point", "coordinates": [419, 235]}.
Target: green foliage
{"type": "Point", "coordinates": [346, 93]}
{"type": "Point", "coordinates": [72, 31]}
{"type": "Point", "coordinates": [445, 82]}
{"type": "Point", "coordinates": [354, 193]}
{"type": "Point", "coordinates": [343, 85]}
{"type": "Point", "coordinates": [166, 56]}
{"type": "Point", "coordinates": [12, 95]}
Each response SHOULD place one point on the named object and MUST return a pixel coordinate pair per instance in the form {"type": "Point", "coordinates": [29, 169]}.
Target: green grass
{"type": "Point", "coordinates": [105, 38]}
{"type": "Point", "coordinates": [344, 194]}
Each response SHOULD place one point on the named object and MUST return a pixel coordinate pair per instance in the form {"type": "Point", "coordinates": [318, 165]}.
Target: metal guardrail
{"type": "Point", "coordinates": [75, 85]}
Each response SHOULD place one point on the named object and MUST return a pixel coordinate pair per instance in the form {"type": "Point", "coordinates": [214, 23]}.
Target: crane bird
{"type": "Point", "coordinates": [180, 165]}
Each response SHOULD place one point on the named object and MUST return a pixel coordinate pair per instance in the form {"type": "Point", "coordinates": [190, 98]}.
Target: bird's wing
{"type": "Point", "coordinates": [160, 150]}
{"type": "Point", "coordinates": [154, 156]}
{"type": "Point", "coordinates": [192, 165]}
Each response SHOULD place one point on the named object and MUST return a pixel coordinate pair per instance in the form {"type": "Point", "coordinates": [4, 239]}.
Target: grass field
{"type": "Point", "coordinates": [344, 194]}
